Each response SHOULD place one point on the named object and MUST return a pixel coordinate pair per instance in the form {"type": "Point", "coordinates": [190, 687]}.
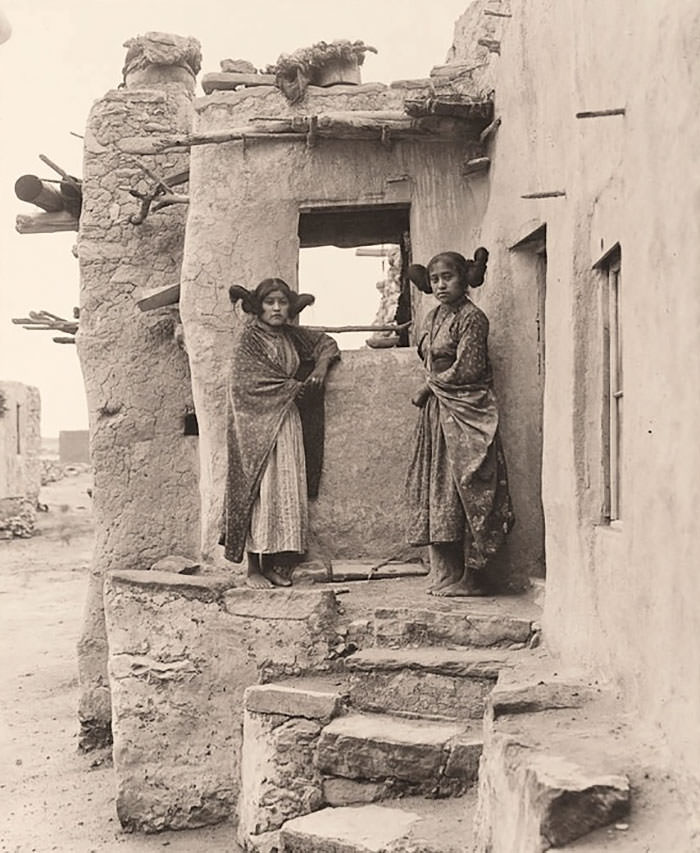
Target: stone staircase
{"type": "Point", "coordinates": [383, 754]}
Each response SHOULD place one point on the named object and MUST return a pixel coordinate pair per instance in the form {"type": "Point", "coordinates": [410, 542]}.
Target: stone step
{"type": "Point", "coordinates": [424, 826]}
{"type": "Point", "coordinates": [554, 762]}
{"type": "Point", "coordinates": [451, 623]}
{"type": "Point", "coordinates": [434, 683]}
{"type": "Point", "coordinates": [387, 756]}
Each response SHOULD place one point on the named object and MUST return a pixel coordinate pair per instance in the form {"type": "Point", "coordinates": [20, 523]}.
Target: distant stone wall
{"type": "Point", "coordinates": [20, 441]}
{"type": "Point", "coordinates": [146, 501]}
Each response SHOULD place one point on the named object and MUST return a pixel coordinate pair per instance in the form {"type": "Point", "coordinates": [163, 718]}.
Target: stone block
{"type": "Point", "coordinates": [409, 753]}
{"type": "Point", "coordinates": [292, 702]}
{"type": "Point", "coordinates": [406, 626]}
{"type": "Point", "coordinates": [463, 761]}
{"type": "Point", "coordinates": [346, 792]}
{"type": "Point", "coordinates": [425, 682]}
{"type": "Point", "coordinates": [531, 800]}
{"type": "Point", "coordinates": [360, 829]}
{"type": "Point", "coordinates": [523, 693]}
{"type": "Point", "coordinates": [279, 779]}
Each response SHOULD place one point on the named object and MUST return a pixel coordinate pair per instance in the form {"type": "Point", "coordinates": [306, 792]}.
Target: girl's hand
{"type": "Point", "coordinates": [316, 378]}
{"type": "Point", "coordinates": [420, 398]}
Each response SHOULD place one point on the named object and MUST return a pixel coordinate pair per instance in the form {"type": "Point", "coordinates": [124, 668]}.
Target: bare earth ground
{"type": "Point", "coordinates": [51, 797]}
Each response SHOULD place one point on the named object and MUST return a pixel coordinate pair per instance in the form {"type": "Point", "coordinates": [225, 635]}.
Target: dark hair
{"type": "Point", "coordinates": [471, 272]}
{"type": "Point", "coordinates": [251, 301]}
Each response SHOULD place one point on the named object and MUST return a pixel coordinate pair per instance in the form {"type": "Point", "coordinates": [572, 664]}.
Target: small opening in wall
{"type": "Point", "coordinates": [353, 259]}
{"type": "Point", "coordinates": [18, 426]}
{"type": "Point", "coordinates": [191, 427]}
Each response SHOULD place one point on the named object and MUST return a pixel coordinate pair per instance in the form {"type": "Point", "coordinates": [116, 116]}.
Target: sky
{"type": "Point", "coordinates": [65, 54]}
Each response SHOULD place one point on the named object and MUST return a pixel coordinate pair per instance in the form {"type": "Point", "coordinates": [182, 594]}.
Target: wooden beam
{"type": "Point", "coordinates": [618, 111]}
{"type": "Point", "coordinates": [31, 189]}
{"type": "Point", "coordinates": [390, 327]}
{"type": "Point", "coordinates": [476, 165]}
{"type": "Point", "coordinates": [549, 194]}
{"type": "Point", "coordinates": [228, 80]}
{"type": "Point", "coordinates": [350, 124]}
{"type": "Point", "coordinates": [46, 223]}
{"type": "Point", "coordinates": [169, 295]}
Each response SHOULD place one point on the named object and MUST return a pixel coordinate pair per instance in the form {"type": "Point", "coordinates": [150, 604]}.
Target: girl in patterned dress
{"type": "Point", "coordinates": [457, 486]}
{"type": "Point", "coordinates": [275, 435]}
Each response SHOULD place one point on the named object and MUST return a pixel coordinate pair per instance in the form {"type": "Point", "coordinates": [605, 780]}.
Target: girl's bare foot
{"type": "Point", "coordinates": [463, 588]}
{"type": "Point", "coordinates": [255, 580]}
{"type": "Point", "coordinates": [277, 580]}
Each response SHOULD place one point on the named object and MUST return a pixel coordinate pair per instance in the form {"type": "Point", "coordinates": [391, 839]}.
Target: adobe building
{"type": "Point", "coordinates": [542, 138]}
{"type": "Point", "coordinates": [20, 448]}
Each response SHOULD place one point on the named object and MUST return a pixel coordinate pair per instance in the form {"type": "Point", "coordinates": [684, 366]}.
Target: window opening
{"type": "Point", "coordinates": [353, 259]}
{"type": "Point", "coordinates": [18, 416]}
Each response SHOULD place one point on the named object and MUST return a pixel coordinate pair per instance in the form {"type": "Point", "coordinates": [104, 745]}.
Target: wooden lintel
{"type": "Point", "coordinates": [169, 295]}
{"type": "Point", "coordinates": [351, 124]}
{"type": "Point", "coordinates": [46, 223]}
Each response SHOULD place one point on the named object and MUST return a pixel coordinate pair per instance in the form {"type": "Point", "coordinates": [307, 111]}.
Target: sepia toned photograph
{"type": "Point", "coordinates": [349, 386]}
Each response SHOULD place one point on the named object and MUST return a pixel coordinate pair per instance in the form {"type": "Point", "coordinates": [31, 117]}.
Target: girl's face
{"type": "Point", "coordinates": [447, 286]}
{"type": "Point", "coordinates": [275, 309]}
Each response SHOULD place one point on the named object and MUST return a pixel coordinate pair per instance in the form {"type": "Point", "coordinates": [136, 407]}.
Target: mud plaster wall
{"type": "Point", "coordinates": [242, 227]}
{"type": "Point", "coordinates": [182, 651]}
{"type": "Point", "coordinates": [136, 377]}
{"type": "Point", "coordinates": [20, 441]}
{"type": "Point", "coordinates": [625, 601]}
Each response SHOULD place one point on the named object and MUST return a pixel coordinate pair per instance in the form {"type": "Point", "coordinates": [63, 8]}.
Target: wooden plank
{"type": "Point", "coordinates": [228, 80]}
{"type": "Point", "coordinates": [46, 223]}
{"type": "Point", "coordinates": [169, 295]}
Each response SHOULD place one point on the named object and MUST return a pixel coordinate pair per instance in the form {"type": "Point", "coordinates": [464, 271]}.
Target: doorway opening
{"type": "Point", "coordinates": [354, 261]}
{"type": "Point", "coordinates": [529, 266]}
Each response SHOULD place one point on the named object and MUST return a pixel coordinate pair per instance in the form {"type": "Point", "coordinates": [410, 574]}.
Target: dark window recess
{"type": "Point", "coordinates": [191, 425]}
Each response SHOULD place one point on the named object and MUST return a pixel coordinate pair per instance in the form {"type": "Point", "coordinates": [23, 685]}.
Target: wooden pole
{"type": "Point", "coordinates": [35, 191]}
{"type": "Point", "coordinates": [391, 327]}
{"type": "Point", "coordinates": [552, 194]}
{"type": "Point", "coordinates": [618, 111]}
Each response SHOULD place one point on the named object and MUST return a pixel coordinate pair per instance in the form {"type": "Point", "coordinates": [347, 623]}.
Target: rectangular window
{"type": "Point", "coordinates": [613, 391]}
{"type": "Point", "coordinates": [348, 254]}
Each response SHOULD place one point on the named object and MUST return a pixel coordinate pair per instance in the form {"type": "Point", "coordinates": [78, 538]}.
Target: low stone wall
{"type": "Point", "coordinates": [182, 650]}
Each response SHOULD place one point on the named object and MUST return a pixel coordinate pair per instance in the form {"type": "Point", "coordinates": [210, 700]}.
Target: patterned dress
{"type": "Point", "coordinates": [279, 519]}
{"type": "Point", "coordinates": [275, 441]}
{"type": "Point", "coordinates": [457, 484]}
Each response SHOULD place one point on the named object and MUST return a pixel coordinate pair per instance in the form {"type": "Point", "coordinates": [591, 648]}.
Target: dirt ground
{"type": "Point", "coordinates": [51, 797]}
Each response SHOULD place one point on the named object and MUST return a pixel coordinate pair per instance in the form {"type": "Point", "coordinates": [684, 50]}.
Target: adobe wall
{"type": "Point", "coordinates": [242, 227]}
{"type": "Point", "coordinates": [20, 441]}
{"type": "Point", "coordinates": [136, 375]}
{"type": "Point", "coordinates": [623, 601]}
